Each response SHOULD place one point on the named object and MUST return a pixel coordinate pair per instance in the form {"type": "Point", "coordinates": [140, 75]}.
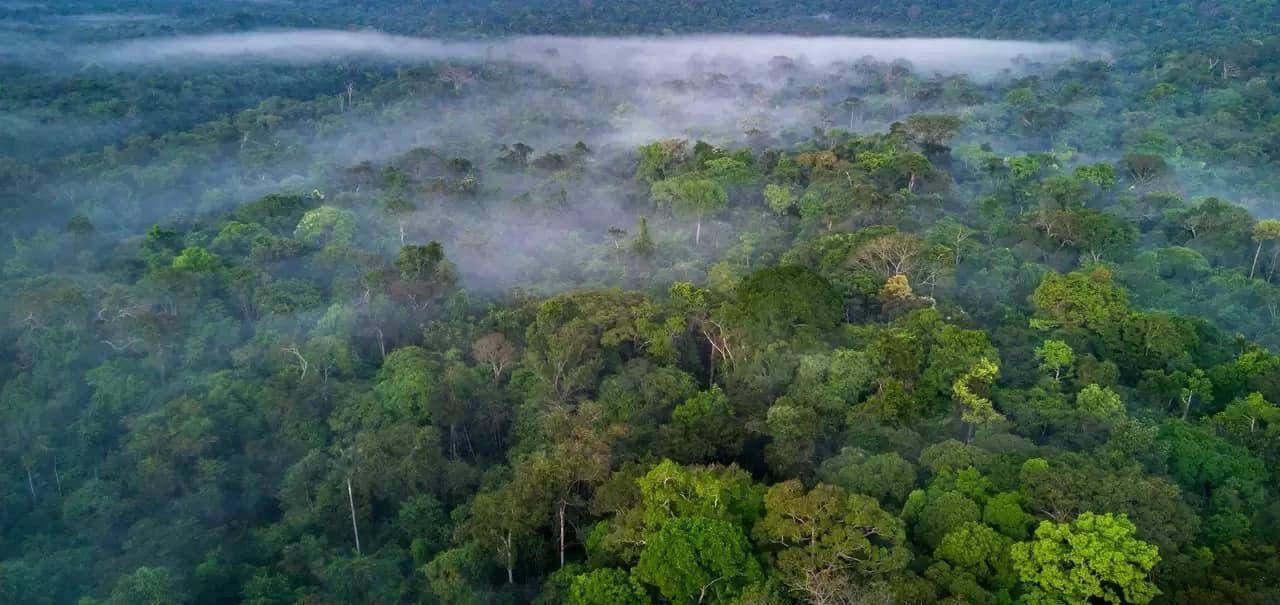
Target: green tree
{"type": "Point", "coordinates": [607, 586]}
{"type": "Point", "coordinates": [691, 197]}
{"type": "Point", "coordinates": [1079, 299]}
{"type": "Point", "coordinates": [1265, 231]}
{"type": "Point", "coordinates": [1092, 558]}
{"type": "Point", "coordinates": [974, 408]}
{"type": "Point", "coordinates": [1101, 402]}
{"type": "Point", "coordinates": [1055, 356]}
{"type": "Point", "coordinates": [147, 586]}
{"type": "Point", "coordinates": [932, 131]}
{"type": "Point", "coordinates": [779, 302]}
{"type": "Point", "coordinates": [698, 561]}
{"type": "Point", "coordinates": [671, 491]}
{"type": "Point", "coordinates": [827, 539]}
{"type": "Point", "coordinates": [704, 426]}
{"type": "Point", "coordinates": [981, 551]}
{"type": "Point", "coordinates": [406, 383]}
{"type": "Point", "coordinates": [779, 198]}
{"type": "Point", "coordinates": [935, 513]}
{"type": "Point", "coordinates": [887, 477]}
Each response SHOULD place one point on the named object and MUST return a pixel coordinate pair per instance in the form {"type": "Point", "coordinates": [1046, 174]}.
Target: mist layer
{"type": "Point", "coordinates": [632, 56]}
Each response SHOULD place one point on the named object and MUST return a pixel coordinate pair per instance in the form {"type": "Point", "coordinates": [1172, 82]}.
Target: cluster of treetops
{"type": "Point", "coordinates": [898, 377]}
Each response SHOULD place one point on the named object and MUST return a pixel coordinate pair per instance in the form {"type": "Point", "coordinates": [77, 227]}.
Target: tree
{"type": "Point", "coordinates": [887, 477]}
{"type": "Point", "coordinates": [974, 408]}
{"type": "Point", "coordinates": [1211, 468]}
{"type": "Point", "coordinates": [1197, 385]}
{"type": "Point", "coordinates": [1092, 558]}
{"type": "Point", "coordinates": [495, 351]}
{"type": "Point", "coordinates": [1143, 169]}
{"type": "Point", "coordinates": [932, 131]}
{"type": "Point", "coordinates": [1003, 511]}
{"type": "Point", "coordinates": [1101, 402]}
{"type": "Point", "coordinates": [642, 245]}
{"type": "Point", "coordinates": [405, 385]}
{"type": "Point", "coordinates": [981, 551]}
{"type": "Point", "coordinates": [891, 254]}
{"type": "Point", "coordinates": [779, 198]}
{"type": "Point", "coordinates": [1055, 356]}
{"type": "Point", "coordinates": [330, 229]}
{"type": "Point", "coordinates": [504, 522]}
{"type": "Point", "coordinates": [935, 513]}
{"type": "Point", "coordinates": [607, 586]}
{"type": "Point", "coordinates": [147, 586]}
{"type": "Point", "coordinates": [826, 540]}
{"type": "Point", "coordinates": [794, 429]}
{"type": "Point", "coordinates": [1079, 299]}
{"type": "Point", "coordinates": [426, 276]}
{"type": "Point", "coordinates": [704, 426]}
{"type": "Point", "coordinates": [1253, 422]}
{"type": "Point", "coordinates": [670, 491]}
{"type": "Point", "coordinates": [691, 197]}
{"type": "Point", "coordinates": [698, 561]}
{"type": "Point", "coordinates": [267, 589]}
{"type": "Point", "coordinates": [457, 77]}
{"type": "Point", "coordinates": [1264, 231]}
{"type": "Point", "coordinates": [778, 302]}
{"type": "Point", "coordinates": [659, 158]}
{"type": "Point", "coordinates": [453, 574]}
{"type": "Point", "coordinates": [573, 334]}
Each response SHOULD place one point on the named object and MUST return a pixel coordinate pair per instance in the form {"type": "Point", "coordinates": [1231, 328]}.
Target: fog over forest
{"type": "Point", "coordinates": [639, 303]}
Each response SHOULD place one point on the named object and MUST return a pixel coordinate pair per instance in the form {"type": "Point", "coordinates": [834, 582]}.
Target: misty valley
{"type": "Point", "coordinates": [641, 303]}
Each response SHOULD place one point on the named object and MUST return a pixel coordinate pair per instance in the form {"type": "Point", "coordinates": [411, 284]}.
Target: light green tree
{"type": "Point", "coordinates": [974, 408]}
{"type": "Point", "coordinates": [692, 198]}
{"type": "Point", "coordinates": [779, 199]}
{"type": "Point", "coordinates": [608, 586]}
{"type": "Point", "coordinates": [1055, 356]}
{"type": "Point", "coordinates": [1092, 559]}
{"type": "Point", "coordinates": [1099, 401]}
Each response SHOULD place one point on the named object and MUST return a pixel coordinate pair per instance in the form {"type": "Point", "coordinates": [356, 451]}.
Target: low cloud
{"type": "Point", "coordinates": [634, 57]}
{"type": "Point", "coordinates": [549, 93]}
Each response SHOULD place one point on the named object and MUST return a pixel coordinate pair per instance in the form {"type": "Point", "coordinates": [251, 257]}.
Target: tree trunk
{"type": "Point", "coordinates": [1186, 406]}
{"type": "Point", "coordinates": [31, 484]}
{"type": "Point", "coordinates": [711, 368]}
{"type": "Point", "coordinates": [511, 564]}
{"type": "Point", "coordinates": [1254, 267]}
{"type": "Point", "coordinates": [697, 234]}
{"type": "Point", "coordinates": [351, 499]}
{"type": "Point", "coordinates": [561, 515]}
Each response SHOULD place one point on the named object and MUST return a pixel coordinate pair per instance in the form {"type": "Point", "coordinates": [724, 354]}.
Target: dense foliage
{"type": "Point", "coordinates": [938, 340]}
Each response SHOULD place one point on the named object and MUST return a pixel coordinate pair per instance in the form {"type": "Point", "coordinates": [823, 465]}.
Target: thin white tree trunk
{"type": "Point", "coordinates": [1254, 267]}
{"type": "Point", "coordinates": [351, 499]}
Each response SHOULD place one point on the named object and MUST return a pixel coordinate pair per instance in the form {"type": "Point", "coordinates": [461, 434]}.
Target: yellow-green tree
{"type": "Point", "coordinates": [1092, 559]}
